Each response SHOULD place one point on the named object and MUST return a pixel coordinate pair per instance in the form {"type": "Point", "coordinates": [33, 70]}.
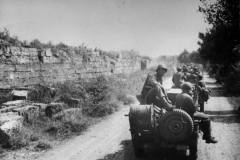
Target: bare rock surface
{"type": "Point", "coordinates": [9, 121]}
{"type": "Point", "coordinates": [13, 103]}
{"type": "Point", "coordinates": [41, 106]}
{"type": "Point", "coordinates": [19, 94]}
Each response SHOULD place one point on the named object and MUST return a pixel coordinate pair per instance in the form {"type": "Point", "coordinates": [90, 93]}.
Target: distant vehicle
{"type": "Point", "coordinates": [174, 130]}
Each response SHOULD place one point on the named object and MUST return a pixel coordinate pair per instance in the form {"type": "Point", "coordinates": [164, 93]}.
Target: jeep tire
{"type": "Point", "coordinates": [175, 126]}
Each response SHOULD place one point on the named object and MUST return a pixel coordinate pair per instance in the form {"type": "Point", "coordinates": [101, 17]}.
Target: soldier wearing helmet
{"type": "Point", "coordinates": [153, 91]}
{"type": "Point", "coordinates": [177, 78]}
{"type": "Point", "coordinates": [185, 101]}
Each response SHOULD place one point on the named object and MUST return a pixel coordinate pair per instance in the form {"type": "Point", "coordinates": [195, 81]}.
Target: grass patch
{"type": "Point", "coordinates": [21, 137]}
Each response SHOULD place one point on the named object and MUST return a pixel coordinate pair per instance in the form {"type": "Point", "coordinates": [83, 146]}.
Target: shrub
{"type": "Point", "coordinates": [101, 109]}
{"type": "Point", "coordinates": [97, 89]}
{"type": "Point", "coordinates": [40, 146]}
{"type": "Point", "coordinates": [71, 89]}
{"type": "Point", "coordinates": [5, 98]}
{"type": "Point", "coordinates": [63, 125]}
{"type": "Point", "coordinates": [232, 81]}
{"type": "Point", "coordinates": [20, 137]}
{"type": "Point", "coordinates": [40, 93]}
{"type": "Point", "coordinates": [65, 128]}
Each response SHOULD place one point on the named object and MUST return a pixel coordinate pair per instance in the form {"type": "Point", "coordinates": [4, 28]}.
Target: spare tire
{"type": "Point", "coordinates": [175, 126]}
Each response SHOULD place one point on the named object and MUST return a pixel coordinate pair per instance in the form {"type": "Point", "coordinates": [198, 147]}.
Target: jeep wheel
{"type": "Point", "coordinates": [193, 150]}
{"type": "Point", "coordinates": [137, 146]}
{"type": "Point", "coordinates": [175, 126]}
{"type": "Point", "coordinates": [138, 151]}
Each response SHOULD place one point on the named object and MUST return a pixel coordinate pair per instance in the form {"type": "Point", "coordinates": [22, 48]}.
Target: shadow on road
{"type": "Point", "coordinates": [217, 92]}
{"type": "Point", "coordinates": [226, 119]}
{"type": "Point", "coordinates": [124, 154]}
{"type": "Point", "coordinates": [127, 153]}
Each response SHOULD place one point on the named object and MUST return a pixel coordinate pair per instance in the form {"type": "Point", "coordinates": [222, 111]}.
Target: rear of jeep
{"type": "Point", "coordinates": [167, 131]}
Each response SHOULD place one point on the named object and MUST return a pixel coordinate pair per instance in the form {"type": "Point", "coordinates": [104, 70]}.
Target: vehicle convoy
{"type": "Point", "coordinates": [166, 130]}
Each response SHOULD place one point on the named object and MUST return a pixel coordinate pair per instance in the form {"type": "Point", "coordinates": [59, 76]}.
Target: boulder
{"type": "Point", "coordinates": [41, 106]}
{"type": "Point", "coordinates": [19, 94]}
{"type": "Point", "coordinates": [28, 112]}
{"type": "Point", "coordinates": [72, 102]}
{"type": "Point", "coordinates": [9, 121]}
{"type": "Point", "coordinates": [4, 138]}
{"type": "Point", "coordinates": [54, 108]}
{"type": "Point", "coordinates": [18, 103]}
{"type": "Point", "coordinates": [11, 106]}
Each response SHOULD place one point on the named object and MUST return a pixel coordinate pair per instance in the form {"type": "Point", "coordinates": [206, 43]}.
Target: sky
{"type": "Point", "coordinates": [151, 27]}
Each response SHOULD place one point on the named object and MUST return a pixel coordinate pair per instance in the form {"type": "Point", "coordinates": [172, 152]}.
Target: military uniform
{"type": "Point", "coordinates": [177, 79]}
{"type": "Point", "coordinates": [153, 91]}
{"type": "Point", "coordinates": [150, 83]}
{"type": "Point", "coordinates": [158, 96]}
{"type": "Point", "coordinates": [200, 89]}
{"type": "Point", "coordinates": [185, 101]}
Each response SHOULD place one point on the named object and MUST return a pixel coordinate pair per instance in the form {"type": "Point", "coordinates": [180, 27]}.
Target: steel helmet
{"type": "Point", "coordinates": [186, 86]}
{"type": "Point", "coordinates": [160, 66]}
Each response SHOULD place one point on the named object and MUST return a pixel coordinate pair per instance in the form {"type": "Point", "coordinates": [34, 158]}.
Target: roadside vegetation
{"type": "Point", "coordinates": [84, 103]}
{"type": "Point", "coordinates": [220, 44]}
{"type": "Point", "coordinates": [79, 104]}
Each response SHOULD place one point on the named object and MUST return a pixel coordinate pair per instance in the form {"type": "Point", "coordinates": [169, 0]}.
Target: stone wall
{"type": "Point", "coordinates": [27, 66]}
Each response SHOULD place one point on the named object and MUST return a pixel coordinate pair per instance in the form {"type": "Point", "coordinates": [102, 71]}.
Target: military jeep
{"type": "Point", "coordinates": [174, 130]}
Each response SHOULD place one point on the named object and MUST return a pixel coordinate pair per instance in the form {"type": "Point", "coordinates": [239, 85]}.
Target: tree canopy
{"type": "Point", "coordinates": [220, 45]}
{"type": "Point", "coordinates": [217, 44]}
{"type": "Point", "coordinates": [188, 57]}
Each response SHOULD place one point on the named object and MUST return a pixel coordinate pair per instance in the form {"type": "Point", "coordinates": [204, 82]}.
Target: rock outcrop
{"type": "Point", "coordinates": [21, 66]}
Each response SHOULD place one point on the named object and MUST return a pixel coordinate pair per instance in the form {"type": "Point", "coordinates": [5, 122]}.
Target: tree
{"type": "Point", "coordinates": [216, 45]}
{"type": "Point", "coordinates": [36, 44]}
{"type": "Point", "coordinates": [219, 45]}
{"type": "Point", "coordinates": [5, 35]}
{"type": "Point", "coordinates": [184, 57]}
{"type": "Point", "coordinates": [195, 57]}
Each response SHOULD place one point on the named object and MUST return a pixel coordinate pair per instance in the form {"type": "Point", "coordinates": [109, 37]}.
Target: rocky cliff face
{"type": "Point", "coordinates": [27, 66]}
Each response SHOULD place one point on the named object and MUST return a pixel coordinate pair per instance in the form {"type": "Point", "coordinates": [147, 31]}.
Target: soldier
{"type": "Point", "coordinates": [185, 101]}
{"type": "Point", "coordinates": [153, 91]}
{"type": "Point", "coordinates": [185, 72]}
{"type": "Point", "coordinates": [177, 78]}
{"type": "Point", "coordinates": [203, 93]}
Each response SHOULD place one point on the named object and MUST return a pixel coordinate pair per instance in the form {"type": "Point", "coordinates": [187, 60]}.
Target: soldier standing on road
{"type": "Point", "coordinates": [185, 101]}
{"type": "Point", "coordinates": [203, 93]}
{"type": "Point", "coordinates": [153, 91]}
{"type": "Point", "coordinates": [177, 78]}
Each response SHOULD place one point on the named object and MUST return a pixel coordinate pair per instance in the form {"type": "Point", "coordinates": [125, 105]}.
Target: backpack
{"type": "Point", "coordinates": [205, 95]}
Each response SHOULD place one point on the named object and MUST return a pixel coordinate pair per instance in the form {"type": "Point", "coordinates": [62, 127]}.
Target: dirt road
{"type": "Point", "coordinates": [110, 140]}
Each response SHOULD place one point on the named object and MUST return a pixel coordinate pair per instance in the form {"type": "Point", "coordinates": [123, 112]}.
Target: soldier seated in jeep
{"type": "Point", "coordinates": [178, 78]}
{"type": "Point", "coordinates": [153, 91]}
{"type": "Point", "coordinates": [185, 101]}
